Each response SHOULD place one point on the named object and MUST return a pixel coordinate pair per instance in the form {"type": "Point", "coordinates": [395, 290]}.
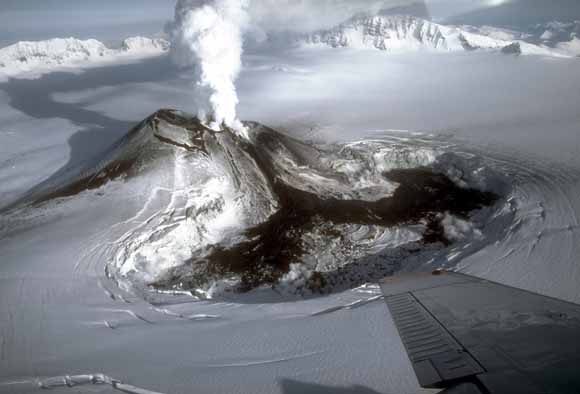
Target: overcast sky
{"type": "Point", "coordinates": [113, 20]}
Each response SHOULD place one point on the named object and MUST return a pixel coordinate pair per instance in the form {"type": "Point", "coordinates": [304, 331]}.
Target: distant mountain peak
{"type": "Point", "coordinates": [47, 55]}
{"type": "Point", "coordinates": [395, 33]}
{"type": "Point", "coordinates": [391, 32]}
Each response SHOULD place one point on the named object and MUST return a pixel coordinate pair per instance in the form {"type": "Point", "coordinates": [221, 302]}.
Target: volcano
{"type": "Point", "coordinates": [241, 214]}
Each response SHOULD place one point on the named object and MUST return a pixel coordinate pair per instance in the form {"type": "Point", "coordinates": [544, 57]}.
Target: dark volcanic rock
{"type": "Point", "coordinates": [512, 49]}
{"type": "Point", "coordinates": [296, 200]}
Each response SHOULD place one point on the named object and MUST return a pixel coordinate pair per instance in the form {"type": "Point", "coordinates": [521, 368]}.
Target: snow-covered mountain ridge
{"type": "Point", "coordinates": [384, 31]}
{"type": "Point", "coordinates": [400, 33]}
{"type": "Point", "coordinates": [42, 56]}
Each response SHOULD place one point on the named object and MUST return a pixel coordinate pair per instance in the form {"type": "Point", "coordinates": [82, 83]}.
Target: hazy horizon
{"type": "Point", "coordinates": [111, 21]}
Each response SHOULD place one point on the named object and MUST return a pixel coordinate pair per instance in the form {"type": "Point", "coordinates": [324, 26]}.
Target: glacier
{"type": "Point", "coordinates": [68, 320]}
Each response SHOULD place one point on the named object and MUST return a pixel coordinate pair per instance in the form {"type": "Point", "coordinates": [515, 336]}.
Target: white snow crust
{"type": "Point", "coordinates": [64, 319]}
{"type": "Point", "coordinates": [32, 58]}
{"type": "Point", "coordinates": [399, 33]}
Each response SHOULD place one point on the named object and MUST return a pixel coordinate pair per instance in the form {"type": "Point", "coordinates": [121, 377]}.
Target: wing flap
{"type": "Point", "coordinates": [460, 330]}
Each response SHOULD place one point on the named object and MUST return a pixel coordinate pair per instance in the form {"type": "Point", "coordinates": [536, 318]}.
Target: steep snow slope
{"type": "Point", "coordinates": [43, 56]}
{"type": "Point", "coordinates": [387, 33]}
{"type": "Point", "coordinates": [402, 33]}
{"type": "Point", "coordinates": [396, 33]}
{"type": "Point", "coordinates": [144, 44]}
{"type": "Point", "coordinates": [51, 52]}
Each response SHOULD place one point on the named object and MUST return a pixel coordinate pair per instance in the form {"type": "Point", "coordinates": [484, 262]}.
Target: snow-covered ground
{"type": "Point", "coordinates": [60, 314]}
{"type": "Point", "coordinates": [404, 33]}
{"type": "Point", "coordinates": [29, 59]}
{"type": "Point", "coordinates": [394, 33]}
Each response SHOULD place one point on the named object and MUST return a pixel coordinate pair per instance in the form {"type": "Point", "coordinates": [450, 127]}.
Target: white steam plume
{"type": "Point", "coordinates": [208, 35]}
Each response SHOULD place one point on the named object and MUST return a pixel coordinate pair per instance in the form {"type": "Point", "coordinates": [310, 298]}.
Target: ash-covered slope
{"type": "Point", "coordinates": [230, 214]}
{"type": "Point", "coordinates": [403, 33]}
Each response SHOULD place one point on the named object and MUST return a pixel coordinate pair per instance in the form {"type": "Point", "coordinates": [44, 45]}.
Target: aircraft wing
{"type": "Point", "coordinates": [469, 335]}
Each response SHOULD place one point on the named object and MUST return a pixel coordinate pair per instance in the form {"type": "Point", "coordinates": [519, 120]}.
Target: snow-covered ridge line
{"type": "Point", "coordinates": [400, 33]}
{"type": "Point", "coordinates": [28, 57]}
